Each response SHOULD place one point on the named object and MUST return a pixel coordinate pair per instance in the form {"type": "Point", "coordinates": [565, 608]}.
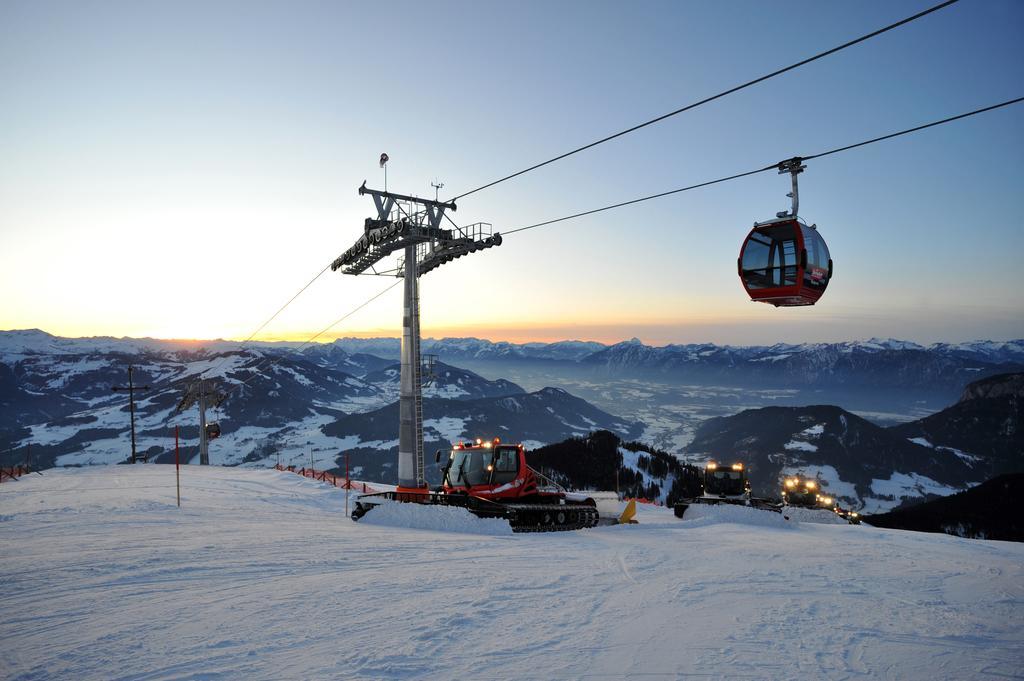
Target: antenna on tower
{"type": "Point", "coordinates": [438, 186]}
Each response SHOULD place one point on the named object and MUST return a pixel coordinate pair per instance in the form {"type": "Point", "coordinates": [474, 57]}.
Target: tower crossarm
{"type": "Point", "coordinates": [384, 199]}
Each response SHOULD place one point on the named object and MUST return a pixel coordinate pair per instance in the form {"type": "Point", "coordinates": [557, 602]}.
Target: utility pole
{"type": "Point", "coordinates": [177, 466]}
{"type": "Point", "coordinates": [131, 388]}
{"type": "Point", "coordinates": [29, 461]}
{"type": "Point", "coordinates": [411, 225]}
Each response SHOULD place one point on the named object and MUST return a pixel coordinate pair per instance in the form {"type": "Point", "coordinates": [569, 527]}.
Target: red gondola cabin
{"type": "Point", "coordinates": [784, 262]}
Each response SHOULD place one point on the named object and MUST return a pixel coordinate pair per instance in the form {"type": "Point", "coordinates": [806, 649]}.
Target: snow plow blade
{"type": "Point", "coordinates": [628, 516]}
{"type": "Point", "coordinates": [521, 517]}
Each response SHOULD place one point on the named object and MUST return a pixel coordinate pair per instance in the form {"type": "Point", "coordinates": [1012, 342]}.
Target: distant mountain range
{"type": "Point", "coordinates": [312, 403]}
{"type": "Point", "coordinates": [872, 468]}
{"type": "Point", "coordinates": [57, 407]}
{"type": "Point", "coordinates": [881, 375]}
{"type": "Point", "coordinates": [860, 361]}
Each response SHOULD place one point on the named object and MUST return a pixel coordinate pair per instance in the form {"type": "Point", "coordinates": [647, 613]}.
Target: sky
{"type": "Point", "coordinates": [180, 170]}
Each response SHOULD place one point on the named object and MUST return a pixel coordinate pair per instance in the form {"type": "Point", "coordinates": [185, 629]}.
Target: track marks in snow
{"type": "Point", "coordinates": [261, 576]}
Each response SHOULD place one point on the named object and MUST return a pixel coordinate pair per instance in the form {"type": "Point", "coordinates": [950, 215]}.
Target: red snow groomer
{"type": "Point", "coordinates": [493, 480]}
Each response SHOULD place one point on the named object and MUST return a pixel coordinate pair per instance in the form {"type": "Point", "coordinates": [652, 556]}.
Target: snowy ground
{"type": "Point", "coordinates": [261, 576]}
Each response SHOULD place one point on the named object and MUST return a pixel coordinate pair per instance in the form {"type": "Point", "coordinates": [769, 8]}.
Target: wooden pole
{"type": "Point", "coordinates": [131, 406]}
{"type": "Point", "coordinates": [29, 468]}
{"type": "Point", "coordinates": [177, 466]}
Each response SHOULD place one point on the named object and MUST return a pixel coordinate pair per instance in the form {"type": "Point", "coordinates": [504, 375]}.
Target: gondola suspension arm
{"type": "Point", "coordinates": [794, 167]}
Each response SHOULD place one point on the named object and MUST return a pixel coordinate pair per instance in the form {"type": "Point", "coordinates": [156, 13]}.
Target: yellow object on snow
{"type": "Point", "coordinates": [628, 516]}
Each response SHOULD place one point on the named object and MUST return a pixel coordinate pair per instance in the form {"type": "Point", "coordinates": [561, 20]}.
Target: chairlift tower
{"type": "Point", "coordinates": [205, 396]}
{"type": "Point", "coordinates": [413, 226]}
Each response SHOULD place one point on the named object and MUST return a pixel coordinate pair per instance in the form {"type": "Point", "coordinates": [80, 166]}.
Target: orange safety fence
{"type": "Point", "coordinates": [329, 478]}
{"type": "Point", "coordinates": [13, 472]}
{"type": "Point", "coordinates": [641, 500]}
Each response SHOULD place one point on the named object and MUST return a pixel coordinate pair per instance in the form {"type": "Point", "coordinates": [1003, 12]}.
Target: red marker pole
{"type": "Point", "coordinates": [348, 485]}
{"type": "Point", "coordinates": [177, 467]}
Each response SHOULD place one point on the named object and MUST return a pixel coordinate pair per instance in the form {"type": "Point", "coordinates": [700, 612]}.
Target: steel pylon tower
{"type": "Point", "coordinates": [201, 393]}
{"type": "Point", "coordinates": [413, 226]}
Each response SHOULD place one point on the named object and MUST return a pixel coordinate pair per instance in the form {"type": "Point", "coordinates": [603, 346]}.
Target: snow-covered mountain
{"type": "Point", "coordinates": [448, 382]}
{"type": "Point", "coordinates": [19, 343]}
{"type": "Point", "coordinates": [634, 354]}
{"type": "Point", "coordinates": [894, 375]}
{"type": "Point", "coordinates": [355, 363]}
{"type": "Point", "coordinates": [268, 397]}
{"type": "Point", "coordinates": [56, 403]}
{"type": "Point", "coordinates": [855, 364]}
{"type": "Point", "coordinates": [284, 401]}
{"type": "Point", "coordinates": [985, 426]}
{"type": "Point", "coordinates": [989, 511]}
{"type": "Point", "coordinates": [537, 418]}
{"type": "Point", "coordinates": [475, 348]}
{"type": "Point", "coordinates": [867, 467]}
{"type": "Point", "coordinates": [874, 468]}
{"type": "Point", "coordinates": [860, 364]}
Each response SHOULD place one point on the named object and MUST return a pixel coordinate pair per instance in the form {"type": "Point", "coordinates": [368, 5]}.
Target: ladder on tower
{"type": "Point", "coordinates": [417, 378]}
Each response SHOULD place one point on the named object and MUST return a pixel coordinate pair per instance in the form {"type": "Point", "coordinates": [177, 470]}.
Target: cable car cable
{"type": "Point", "coordinates": [640, 200]}
{"type": "Point", "coordinates": [627, 131]}
{"type": "Point", "coordinates": [920, 127]}
{"type": "Point", "coordinates": [736, 176]}
{"type": "Point", "coordinates": [290, 301]}
{"type": "Point", "coordinates": [272, 360]}
{"type": "Point", "coordinates": [327, 328]}
{"type": "Point", "coordinates": [272, 318]}
{"type": "Point", "coordinates": [773, 166]}
{"type": "Point", "coordinates": [724, 93]}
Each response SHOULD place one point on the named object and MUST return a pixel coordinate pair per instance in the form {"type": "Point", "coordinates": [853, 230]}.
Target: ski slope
{"type": "Point", "coordinates": [261, 576]}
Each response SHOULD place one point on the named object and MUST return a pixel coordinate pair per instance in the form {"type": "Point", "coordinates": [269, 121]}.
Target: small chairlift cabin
{"type": "Point", "coordinates": [784, 261]}
{"type": "Point", "coordinates": [212, 431]}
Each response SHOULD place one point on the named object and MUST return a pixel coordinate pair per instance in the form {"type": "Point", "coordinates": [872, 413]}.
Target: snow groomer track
{"type": "Point", "coordinates": [260, 575]}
